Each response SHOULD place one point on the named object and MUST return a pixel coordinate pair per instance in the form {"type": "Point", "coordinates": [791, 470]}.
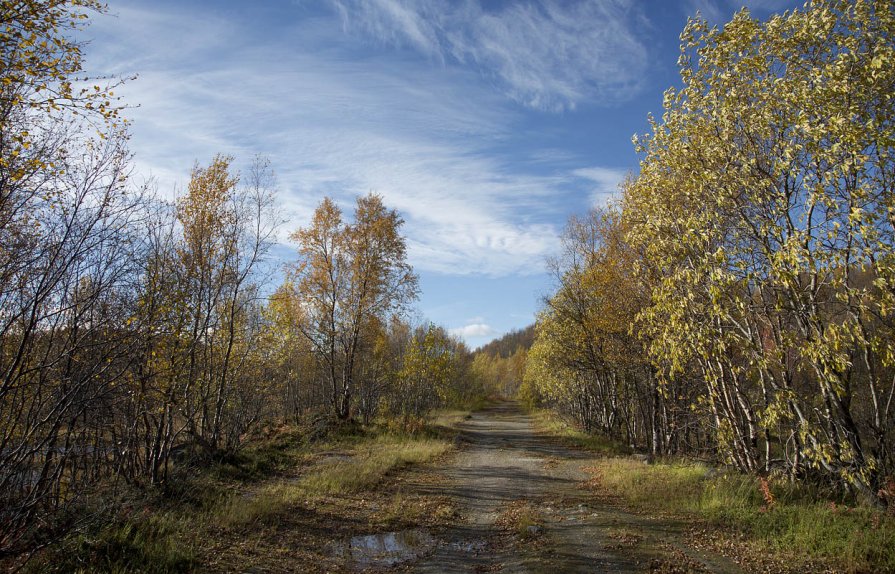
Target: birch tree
{"type": "Point", "coordinates": [765, 197]}
{"type": "Point", "coordinates": [350, 276]}
{"type": "Point", "coordinates": [66, 264]}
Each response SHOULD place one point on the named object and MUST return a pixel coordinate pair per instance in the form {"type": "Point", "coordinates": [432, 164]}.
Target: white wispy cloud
{"type": "Point", "coordinates": [393, 22]}
{"type": "Point", "coordinates": [606, 182]}
{"type": "Point", "coordinates": [474, 330]}
{"type": "Point", "coordinates": [720, 11]}
{"type": "Point", "coordinates": [547, 55]}
{"type": "Point", "coordinates": [337, 125]}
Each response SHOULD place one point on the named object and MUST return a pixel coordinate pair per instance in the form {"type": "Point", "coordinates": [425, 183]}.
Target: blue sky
{"type": "Point", "coordinates": [485, 123]}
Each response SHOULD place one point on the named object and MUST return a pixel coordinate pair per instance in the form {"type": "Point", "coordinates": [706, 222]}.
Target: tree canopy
{"type": "Point", "coordinates": [757, 251]}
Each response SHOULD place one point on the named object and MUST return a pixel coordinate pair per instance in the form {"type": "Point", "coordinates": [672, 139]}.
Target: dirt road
{"type": "Point", "coordinates": [524, 507]}
{"type": "Point", "coordinates": [507, 500]}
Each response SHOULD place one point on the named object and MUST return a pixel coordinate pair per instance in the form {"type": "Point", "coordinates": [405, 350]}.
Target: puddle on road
{"type": "Point", "coordinates": [389, 549]}
{"type": "Point", "coordinates": [386, 549]}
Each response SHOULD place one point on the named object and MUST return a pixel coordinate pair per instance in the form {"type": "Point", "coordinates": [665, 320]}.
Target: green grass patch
{"type": "Point", "coordinates": [366, 466]}
{"type": "Point", "coordinates": [669, 487]}
{"type": "Point", "coordinates": [157, 544]}
{"type": "Point", "coordinates": [788, 518]}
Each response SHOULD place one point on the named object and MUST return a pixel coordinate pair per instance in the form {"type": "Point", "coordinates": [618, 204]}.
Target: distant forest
{"type": "Point", "coordinates": [510, 343]}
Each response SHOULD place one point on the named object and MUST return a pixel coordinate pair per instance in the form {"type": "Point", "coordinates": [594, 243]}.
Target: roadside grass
{"type": "Point", "coordinates": [667, 487]}
{"type": "Point", "coordinates": [450, 418]}
{"type": "Point", "coordinates": [441, 423]}
{"type": "Point", "coordinates": [359, 469]}
{"type": "Point", "coordinates": [550, 423]}
{"type": "Point", "coordinates": [166, 532]}
{"type": "Point", "coordinates": [369, 463]}
{"type": "Point", "coordinates": [797, 522]}
{"type": "Point", "coordinates": [157, 542]}
{"type": "Point", "coordinates": [790, 519]}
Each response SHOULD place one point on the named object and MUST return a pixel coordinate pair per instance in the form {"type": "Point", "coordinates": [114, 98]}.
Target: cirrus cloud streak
{"type": "Point", "coordinates": [547, 55]}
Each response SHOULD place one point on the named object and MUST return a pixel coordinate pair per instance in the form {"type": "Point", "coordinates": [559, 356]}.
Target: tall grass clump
{"type": "Point", "coordinates": [157, 543]}
{"type": "Point", "coordinates": [784, 516]}
{"type": "Point", "coordinates": [368, 465]}
{"type": "Point", "coordinates": [671, 487]}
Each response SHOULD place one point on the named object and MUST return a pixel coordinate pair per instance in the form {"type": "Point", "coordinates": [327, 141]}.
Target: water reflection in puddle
{"type": "Point", "coordinates": [387, 549]}
{"type": "Point", "coordinates": [393, 548]}
{"type": "Point", "coordinates": [469, 547]}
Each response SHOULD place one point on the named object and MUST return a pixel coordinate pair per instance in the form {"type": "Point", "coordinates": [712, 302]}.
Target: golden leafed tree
{"type": "Point", "coordinates": [765, 198]}
{"type": "Point", "coordinates": [349, 276]}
